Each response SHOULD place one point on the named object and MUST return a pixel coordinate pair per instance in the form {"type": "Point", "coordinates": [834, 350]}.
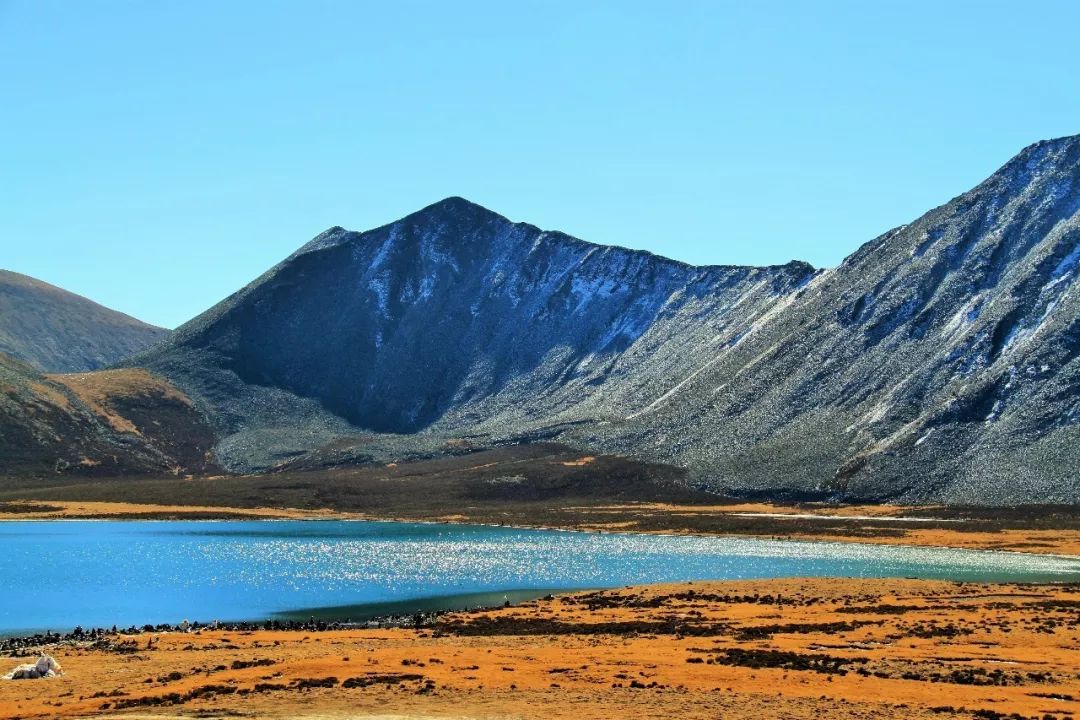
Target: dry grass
{"type": "Point", "coordinates": [820, 649]}
{"type": "Point", "coordinates": [98, 390]}
{"type": "Point", "coordinates": [51, 395]}
{"type": "Point", "coordinates": [580, 461]}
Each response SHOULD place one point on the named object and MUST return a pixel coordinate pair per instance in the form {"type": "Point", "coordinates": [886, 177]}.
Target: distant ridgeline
{"type": "Point", "coordinates": [57, 331]}
{"type": "Point", "coordinates": [936, 363]}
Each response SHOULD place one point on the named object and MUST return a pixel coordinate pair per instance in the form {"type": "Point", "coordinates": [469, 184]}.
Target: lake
{"type": "Point", "coordinates": [59, 574]}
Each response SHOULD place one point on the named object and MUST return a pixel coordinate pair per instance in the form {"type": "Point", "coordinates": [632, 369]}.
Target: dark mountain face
{"type": "Point", "coordinates": [57, 331]}
{"type": "Point", "coordinates": [936, 363]}
{"type": "Point", "coordinates": [451, 321]}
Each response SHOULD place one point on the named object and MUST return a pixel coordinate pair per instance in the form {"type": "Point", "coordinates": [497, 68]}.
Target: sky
{"type": "Point", "coordinates": [156, 156]}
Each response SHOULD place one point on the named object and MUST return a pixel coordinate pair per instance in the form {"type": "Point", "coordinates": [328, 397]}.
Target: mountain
{"type": "Point", "coordinates": [105, 423]}
{"type": "Point", "coordinates": [937, 363]}
{"type": "Point", "coordinates": [58, 331]}
{"type": "Point", "coordinates": [450, 323]}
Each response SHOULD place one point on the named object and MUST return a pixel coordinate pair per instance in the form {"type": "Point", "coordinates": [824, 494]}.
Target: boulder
{"type": "Point", "coordinates": [45, 667]}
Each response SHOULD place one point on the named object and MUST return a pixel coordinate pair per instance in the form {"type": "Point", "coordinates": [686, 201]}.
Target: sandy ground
{"type": "Point", "coordinates": [1056, 541]}
{"type": "Point", "coordinates": [908, 526]}
{"type": "Point", "coordinates": [78, 510]}
{"type": "Point", "coordinates": [821, 649]}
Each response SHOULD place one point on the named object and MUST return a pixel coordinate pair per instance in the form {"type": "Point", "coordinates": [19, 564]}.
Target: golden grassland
{"type": "Point", "coordinates": [98, 390]}
{"type": "Point", "coordinates": [793, 648]}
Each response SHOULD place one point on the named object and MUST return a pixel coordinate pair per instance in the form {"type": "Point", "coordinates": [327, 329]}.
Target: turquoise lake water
{"type": "Point", "coordinates": [90, 573]}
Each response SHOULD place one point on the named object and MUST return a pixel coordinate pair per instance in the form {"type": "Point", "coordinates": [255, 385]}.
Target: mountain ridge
{"type": "Point", "coordinates": [992, 250]}
{"type": "Point", "coordinates": [497, 240]}
{"type": "Point", "coordinates": [454, 203]}
{"type": "Point", "coordinates": [938, 362]}
{"type": "Point", "coordinates": [59, 331]}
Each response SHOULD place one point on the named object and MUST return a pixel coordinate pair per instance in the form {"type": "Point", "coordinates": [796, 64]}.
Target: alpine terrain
{"type": "Point", "coordinates": [939, 362]}
{"type": "Point", "coordinates": [99, 424]}
{"type": "Point", "coordinates": [59, 331]}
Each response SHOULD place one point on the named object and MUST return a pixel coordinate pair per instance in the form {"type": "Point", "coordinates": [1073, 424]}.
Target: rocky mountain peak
{"type": "Point", "coordinates": [941, 361]}
{"type": "Point", "coordinates": [455, 206]}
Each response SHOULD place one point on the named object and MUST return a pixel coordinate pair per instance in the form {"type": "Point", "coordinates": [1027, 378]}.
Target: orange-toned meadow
{"type": "Point", "coordinates": [759, 649]}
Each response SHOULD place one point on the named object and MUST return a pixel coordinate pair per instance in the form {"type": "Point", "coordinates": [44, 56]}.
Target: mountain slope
{"type": "Point", "coordinates": [453, 321]}
{"type": "Point", "coordinates": [937, 363]}
{"type": "Point", "coordinates": [58, 331]}
{"type": "Point", "coordinates": [105, 423]}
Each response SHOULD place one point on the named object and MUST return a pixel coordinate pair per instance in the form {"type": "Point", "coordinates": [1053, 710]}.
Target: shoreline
{"type": "Point", "coordinates": [945, 539]}
{"type": "Point", "coordinates": [284, 620]}
{"type": "Point", "coordinates": [363, 615]}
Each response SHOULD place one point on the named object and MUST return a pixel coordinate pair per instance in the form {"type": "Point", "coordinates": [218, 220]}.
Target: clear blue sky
{"type": "Point", "coordinates": [158, 155]}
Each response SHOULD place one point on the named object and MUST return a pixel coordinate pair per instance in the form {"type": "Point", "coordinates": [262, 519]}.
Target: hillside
{"type": "Point", "coordinates": [937, 363]}
{"type": "Point", "coordinates": [449, 323]}
{"type": "Point", "coordinates": [100, 424]}
{"type": "Point", "coordinates": [58, 331]}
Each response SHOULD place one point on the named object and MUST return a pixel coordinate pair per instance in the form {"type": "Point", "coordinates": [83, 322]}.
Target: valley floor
{"type": "Point", "coordinates": [537, 485]}
{"type": "Point", "coordinates": [792, 648]}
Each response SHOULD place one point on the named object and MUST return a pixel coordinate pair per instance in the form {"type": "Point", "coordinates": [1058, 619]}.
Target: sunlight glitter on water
{"type": "Point", "coordinates": [149, 572]}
